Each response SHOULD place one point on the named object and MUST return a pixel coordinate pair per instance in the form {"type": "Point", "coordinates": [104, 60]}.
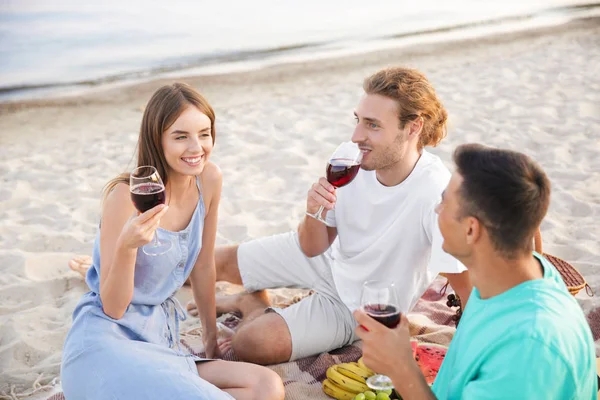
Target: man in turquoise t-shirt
{"type": "Point", "coordinates": [521, 335]}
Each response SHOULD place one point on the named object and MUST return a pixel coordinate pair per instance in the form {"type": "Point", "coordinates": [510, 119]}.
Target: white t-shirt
{"type": "Point", "coordinates": [390, 233]}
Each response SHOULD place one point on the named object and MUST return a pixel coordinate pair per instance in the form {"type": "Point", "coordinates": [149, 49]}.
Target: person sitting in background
{"type": "Point", "coordinates": [521, 335]}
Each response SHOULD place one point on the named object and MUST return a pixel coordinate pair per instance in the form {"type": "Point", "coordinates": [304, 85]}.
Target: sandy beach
{"type": "Point", "coordinates": [537, 92]}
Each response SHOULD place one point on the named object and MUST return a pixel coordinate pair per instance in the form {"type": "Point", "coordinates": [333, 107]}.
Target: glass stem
{"type": "Point", "coordinates": [318, 214]}
{"type": "Point", "coordinates": [155, 242]}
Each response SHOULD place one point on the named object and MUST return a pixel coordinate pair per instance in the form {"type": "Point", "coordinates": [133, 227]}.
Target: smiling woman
{"type": "Point", "coordinates": [188, 142]}
{"type": "Point", "coordinates": [185, 111]}
{"type": "Point", "coordinates": [126, 329]}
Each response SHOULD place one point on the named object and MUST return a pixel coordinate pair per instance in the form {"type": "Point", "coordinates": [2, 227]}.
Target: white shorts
{"type": "Point", "coordinates": [318, 323]}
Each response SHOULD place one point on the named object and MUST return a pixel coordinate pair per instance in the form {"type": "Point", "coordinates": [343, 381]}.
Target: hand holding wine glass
{"type": "Point", "coordinates": [379, 300]}
{"type": "Point", "coordinates": [321, 196]}
{"type": "Point", "coordinates": [140, 228]}
{"type": "Point", "coordinates": [148, 192]}
{"type": "Point", "coordinates": [342, 168]}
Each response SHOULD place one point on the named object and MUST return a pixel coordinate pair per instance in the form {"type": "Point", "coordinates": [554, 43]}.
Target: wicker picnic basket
{"type": "Point", "coordinates": [573, 279]}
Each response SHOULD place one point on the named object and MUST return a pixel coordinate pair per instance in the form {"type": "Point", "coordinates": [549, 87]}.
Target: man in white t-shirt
{"type": "Point", "coordinates": [383, 227]}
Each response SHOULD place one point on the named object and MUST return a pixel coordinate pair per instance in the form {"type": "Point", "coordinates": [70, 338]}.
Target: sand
{"type": "Point", "coordinates": [538, 92]}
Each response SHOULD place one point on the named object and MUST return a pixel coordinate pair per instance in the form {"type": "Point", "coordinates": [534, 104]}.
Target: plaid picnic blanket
{"type": "Point", "coordinates": [430, 321]}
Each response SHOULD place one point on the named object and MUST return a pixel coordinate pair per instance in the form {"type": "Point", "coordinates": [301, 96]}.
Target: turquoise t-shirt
{"type": "Point", "coordinates": [530, 342]}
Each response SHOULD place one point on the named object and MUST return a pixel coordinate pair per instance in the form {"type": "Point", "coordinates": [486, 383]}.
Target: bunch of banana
{"type": "Point", "coordinates": [363, 366]}
{"type": "Point", "coordinates": [345, 381]}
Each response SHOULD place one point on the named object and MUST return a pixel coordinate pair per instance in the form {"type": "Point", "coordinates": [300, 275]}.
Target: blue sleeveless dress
{"type": "Point", "coordinates": [139, 355]}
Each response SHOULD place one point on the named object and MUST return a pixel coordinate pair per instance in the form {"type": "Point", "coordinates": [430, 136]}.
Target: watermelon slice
{"type": "Point", "coordinates": [414, 344]}
{"type": "Point", "coordinates": [429, 357]}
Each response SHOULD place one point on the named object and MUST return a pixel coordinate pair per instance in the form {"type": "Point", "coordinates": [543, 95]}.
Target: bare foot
{"type": "Point", "coordinates": [80, 264]}
{"type": "Point", "coordinates": [225, 304]}
{"type": "Point", "coordinates": [192, 309]}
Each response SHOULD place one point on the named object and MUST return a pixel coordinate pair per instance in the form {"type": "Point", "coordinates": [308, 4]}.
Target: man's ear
{"type": "Point", "coordinates": [474, 230]}
{"type": "Point", "coordinates": [416, 126]}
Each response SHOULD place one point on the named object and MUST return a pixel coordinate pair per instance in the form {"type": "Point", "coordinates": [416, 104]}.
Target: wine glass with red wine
{"type": "Point", "coordinates": [148, 191]}
{"type": "Point", "coordinates": [380, 301]}
{"type": "Point", "coordinates": [342, 168]}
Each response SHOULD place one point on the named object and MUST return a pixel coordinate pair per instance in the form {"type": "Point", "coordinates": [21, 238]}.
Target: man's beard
{"type": "Point", "coordinates": [390, 157]}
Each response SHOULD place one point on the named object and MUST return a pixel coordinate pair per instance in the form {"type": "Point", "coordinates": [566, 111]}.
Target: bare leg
{"type": "Point", "coordinates": [226, 263]}
{"type": "Point", "coordinates": [251, 306]}
{"type": "Point", "coordinates": [245, 303]}
{"type": "Point", "coordinates": [265, 340]}
{"type": "Point", "coordinates": [262, 338]}
{"type": "Point", "coordinates": [242, 380]}
{"type": "Point", "coordinates": [227, 270]}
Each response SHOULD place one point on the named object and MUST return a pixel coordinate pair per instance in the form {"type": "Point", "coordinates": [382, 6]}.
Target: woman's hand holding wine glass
{"type": "Point", "coordinates": [139, 229]}
{"type": "Point", "coordinates": [147, 194]}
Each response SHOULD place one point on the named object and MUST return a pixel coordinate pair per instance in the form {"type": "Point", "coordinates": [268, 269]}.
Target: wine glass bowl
{"type": "Point", "coordinates": [385, 314]}
{"type": "Point", "coordinates": [148, 191]}
{"type": "Point", "coordinates": [380, 301]}
{"type": "Point", "coordinates": [341, 171]}
{"type": "Point", "coordinates": [342, 168]}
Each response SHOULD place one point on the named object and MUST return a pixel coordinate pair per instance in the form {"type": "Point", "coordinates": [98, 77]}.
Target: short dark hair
{"type": "Point", "coordinates": [506, 191]}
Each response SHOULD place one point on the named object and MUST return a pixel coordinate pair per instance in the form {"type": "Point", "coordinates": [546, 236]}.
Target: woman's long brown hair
{"type": "Point", "coordinates": [163, 109]}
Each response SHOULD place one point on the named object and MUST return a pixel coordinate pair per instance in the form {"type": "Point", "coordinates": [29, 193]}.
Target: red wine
{"type": "Point", "coordinates": [147, 195]}
{"type": "Point", "coordinates": [341, 171]}
{"type": "Point", "coordinates": [386, 314]}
